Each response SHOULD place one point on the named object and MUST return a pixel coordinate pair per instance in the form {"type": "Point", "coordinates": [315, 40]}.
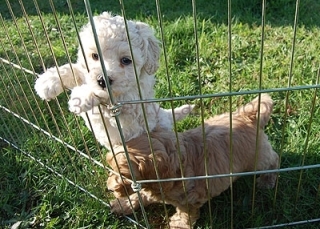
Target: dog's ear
{"type": "Point", "coordinates": [111, 161]}
{"type": "Point", "coordinates": [120, 186]}
{"type": "Point", "coordinates": [147, 166]}
{"type": "Point", "coordinates": [120, 164]}
{"type": "Point", "coordinates": [163, 167]}
{"type": "Point", "coordinates": [151, 48]}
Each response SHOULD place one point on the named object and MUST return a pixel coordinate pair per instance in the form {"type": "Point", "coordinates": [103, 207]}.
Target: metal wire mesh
{"type": "Point", "coordinates": [48, 134]}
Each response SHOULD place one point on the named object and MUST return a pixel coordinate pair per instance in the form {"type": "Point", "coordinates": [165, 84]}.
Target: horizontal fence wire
{"type": "Point", "coordinates": [297, 168]}
{"type": "Point", "coordinates": [36, 128]}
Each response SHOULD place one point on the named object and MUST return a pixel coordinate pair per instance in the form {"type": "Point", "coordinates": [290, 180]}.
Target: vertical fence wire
{"type": "Point", "coordinates": [86, 64]}
{"type": "Point", "coordinates": [155, 164]}
{"type": "Point", "coordinates": [306, 142]}
{"type": "Point", "coordinates": [203, 132]}
{"type": "Point", "coordinates": [263, 17]}
{"type": "Point", "coordinates": [164, 49]}
{"type": "Point", "coordinates": [286, 105]}
{"type": "Point", "coordinates": [230, 111]}
{"type": "Point", "coordinates": [112, 101]}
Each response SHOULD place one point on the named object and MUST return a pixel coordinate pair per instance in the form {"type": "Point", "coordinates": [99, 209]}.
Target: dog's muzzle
{"type": "Point", "coordinates": [102, 83]}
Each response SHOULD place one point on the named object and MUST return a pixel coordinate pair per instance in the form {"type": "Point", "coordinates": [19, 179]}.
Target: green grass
{"type": "Point", "coordinates": [36, 197]}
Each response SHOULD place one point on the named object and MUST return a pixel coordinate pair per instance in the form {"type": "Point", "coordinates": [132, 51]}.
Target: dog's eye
{"type": "Point", "coordinates": [125, 61]}
{"type": "Point", "coordinates": [95, 56]}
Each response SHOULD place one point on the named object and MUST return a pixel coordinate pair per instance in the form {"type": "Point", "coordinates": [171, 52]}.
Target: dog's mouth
{"type": "Point", "coordinates": [102, 83]}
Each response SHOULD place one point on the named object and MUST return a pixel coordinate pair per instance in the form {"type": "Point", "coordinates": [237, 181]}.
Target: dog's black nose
{"type": "Point", "coordinates": [101, 81]}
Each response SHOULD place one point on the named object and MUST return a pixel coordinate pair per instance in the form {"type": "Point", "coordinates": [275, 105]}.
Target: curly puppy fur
{"type": "Point", "coordinates": [246, 157]}
{"type": "Point", "coordinates": [86, 80]}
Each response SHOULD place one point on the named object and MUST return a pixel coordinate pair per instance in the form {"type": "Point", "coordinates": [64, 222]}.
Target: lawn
{"type": "Point", "coordinates": [52, 173]}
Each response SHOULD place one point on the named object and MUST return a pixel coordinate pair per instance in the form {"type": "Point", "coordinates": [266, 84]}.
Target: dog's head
{"type": "Point", "coordinates": [143, 168]}
{"type": "Point", "coordinates": [121, 63]}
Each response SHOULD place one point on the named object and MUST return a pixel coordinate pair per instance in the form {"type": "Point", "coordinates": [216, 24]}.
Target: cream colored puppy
{"type": "Point", "coordinates": [89, 90]}
{"type": "Point", "coordinates": [251, 152]}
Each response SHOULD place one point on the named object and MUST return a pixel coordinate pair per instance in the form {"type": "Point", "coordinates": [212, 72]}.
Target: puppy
{"type": "Point", "coordinates": [250, 152]}
{"type": "Point", "coordinates": [91, 99]}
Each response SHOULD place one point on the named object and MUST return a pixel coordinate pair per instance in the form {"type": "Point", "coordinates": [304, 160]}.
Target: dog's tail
{"type": "Point", "coordinates": [250, 110]}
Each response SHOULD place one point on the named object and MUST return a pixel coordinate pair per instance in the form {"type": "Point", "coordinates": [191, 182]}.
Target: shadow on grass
{"type": "Point", "coordinates": [278, 13]}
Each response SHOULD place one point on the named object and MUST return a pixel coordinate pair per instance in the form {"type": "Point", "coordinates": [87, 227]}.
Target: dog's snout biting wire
{"type": "Point", "coordinates": [115, 109]}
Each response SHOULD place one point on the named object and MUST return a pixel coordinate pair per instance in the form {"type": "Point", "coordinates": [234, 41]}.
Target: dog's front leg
{"type": "Point", "coordinates": [51, 83]}
{"type": "Point", "coordinates": [126, 205]}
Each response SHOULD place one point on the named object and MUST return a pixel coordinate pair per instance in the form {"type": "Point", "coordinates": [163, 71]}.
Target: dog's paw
{"type": "Point", "coordinates": [48, 85]}
{"type": "Point", "coordinates": [176, 222]}
{"type": "Point", "coordinates": [184, 219]}
{"type": "Point", "coordinates": [82, 99]}
{"type": "Point", "coordinates": [121, 206]}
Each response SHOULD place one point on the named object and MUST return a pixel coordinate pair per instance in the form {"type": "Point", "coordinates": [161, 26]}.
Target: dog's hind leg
{"type": "Point", "coordinates": [182, 111]}
{"type": "Point", "coordinates": [165, 116]}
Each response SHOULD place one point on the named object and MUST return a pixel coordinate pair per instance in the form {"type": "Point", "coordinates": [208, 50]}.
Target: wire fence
{"type": "Point", "coordinates": [44, 34]}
